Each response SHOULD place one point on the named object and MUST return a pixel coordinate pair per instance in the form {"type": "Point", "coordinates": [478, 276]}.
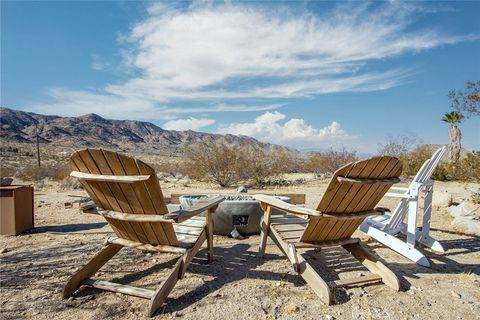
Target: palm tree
{"type": "Point", "coordinates": [454, 145]}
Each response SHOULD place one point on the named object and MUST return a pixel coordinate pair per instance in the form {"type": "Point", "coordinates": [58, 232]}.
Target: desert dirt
{"type": "Point", "coordinates": [237, 285]}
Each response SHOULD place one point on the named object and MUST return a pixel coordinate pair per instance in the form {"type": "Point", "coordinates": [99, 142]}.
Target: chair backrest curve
{"type": "Point", "coordinates": [429, 166]}
{"type": "Point", "coordinates": [366, 183]}
{"type": "Point", "coordinates": [138, 198]}
{"type": "Point", "coordinates": [141, 197]}
{"type": "Point", "coordinates": [344, 197]}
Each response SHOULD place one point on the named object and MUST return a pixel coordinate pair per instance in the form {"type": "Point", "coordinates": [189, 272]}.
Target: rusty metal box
{"type": "Point", "coordinates": [16, 209]}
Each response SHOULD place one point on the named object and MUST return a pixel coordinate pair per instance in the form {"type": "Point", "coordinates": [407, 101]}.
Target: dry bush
{"type": "Point", "coordinates": [413, 160]}
{"type": "Point", "coordinates": [397, 146]}
{"type": "Point", "coordinates": [214, 162]}
{"type": "Point", "coordinates": [70, 183]}
{"type": "Point", "coordinates": [56, 172]}
{"type": "Point", "coordinates": [228, 165]}
{"type": "Point", "coordinates": [468, 169]}
{"type": "Point", "coordinates": [257, 166]}
{"type": "Point", "coordinates": [7, 171]}
{"type": "Point", "coordinates": [330, 161]}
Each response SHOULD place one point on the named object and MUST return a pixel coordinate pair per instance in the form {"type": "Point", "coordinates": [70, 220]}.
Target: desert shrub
{"type": "Point", "coordinates": [70, 183]}
{"type": "Point", "coordinates": [34, 173]}
{"type": "Point", "coordinates": [7, 171]}
{"type": "Point", "coordinates": [468, 168]}
{"type": "Point", "coordinates": [258, 166]}
{"type": "Point", "coordinates": [397, 146]}
{"type": "Point", "coordinates": [228, 165]}
{"type": "Point", "coordinates": [172, 166]}
{"type": "Point", "coordinates": [329, 161]}
{"type": "Point", "coordinates": [216, 162]}
{"type": "Point", "coordinates": [413, 160]}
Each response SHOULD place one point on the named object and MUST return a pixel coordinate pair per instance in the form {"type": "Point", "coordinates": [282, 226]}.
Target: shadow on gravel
{"type": "Point", "coordinates": [440, 262]}
{"type": "Point", "coordinates": [68, 228]}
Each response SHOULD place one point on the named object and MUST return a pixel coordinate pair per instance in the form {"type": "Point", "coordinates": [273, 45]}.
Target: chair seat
{"type": "Point", "coordinates": [381, 223]}
{"type": "Point", "coordinates": [289, 227]}
{"type": "Point", "coordinates": [187, 232]}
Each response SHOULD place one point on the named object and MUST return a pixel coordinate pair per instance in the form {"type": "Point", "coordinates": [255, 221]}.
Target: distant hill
{"type": "Point", "coordinates": [91, 130]}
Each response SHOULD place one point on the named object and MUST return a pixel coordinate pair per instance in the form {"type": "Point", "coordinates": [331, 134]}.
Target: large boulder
{"type": "Point", "coordinates": [466, 217]}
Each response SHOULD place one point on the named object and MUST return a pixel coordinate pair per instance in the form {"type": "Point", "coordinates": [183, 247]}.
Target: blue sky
{"type": "Point", "coordinates": [306, 74]}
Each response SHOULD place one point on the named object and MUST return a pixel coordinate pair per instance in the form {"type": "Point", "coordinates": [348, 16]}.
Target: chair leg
{"type": "Point", "coordinates": [399, 246]}
{"type": "Point", "coordinates": [188, 256]}
{"type": "Point", "coordinates": [90, 268]}
{"type": "Point", "coordinates": [305, 270]}
{"type": "Point", "coordinates": [209, 229]}
{"type": "Point", "coordinates": [165, 288]}
{"type": "Point", "coordinates": [372, 264]}
{"type": "Point", "coordinates": [314, 280]}
{"type": "Point", "coordinates": [265, 230]}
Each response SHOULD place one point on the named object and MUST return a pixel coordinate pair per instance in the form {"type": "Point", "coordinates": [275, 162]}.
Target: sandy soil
{"type": "Point", "coordinates": [237, 285]}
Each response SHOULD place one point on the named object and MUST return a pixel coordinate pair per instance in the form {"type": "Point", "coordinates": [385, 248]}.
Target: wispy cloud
{"type": "Point", "coordinates": [294, 132]}
{"type": "Point", "coordinates": [247, 57]}
{"type": "Point", "coordinates": [188, 124]}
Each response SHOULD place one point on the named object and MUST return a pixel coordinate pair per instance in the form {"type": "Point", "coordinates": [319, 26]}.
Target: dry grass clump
{"type": "Point", "coordinates": [469, 278]}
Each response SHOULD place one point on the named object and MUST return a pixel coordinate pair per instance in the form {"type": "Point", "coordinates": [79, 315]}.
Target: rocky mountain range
{"type": "Point", "coordinates": [91, 130]}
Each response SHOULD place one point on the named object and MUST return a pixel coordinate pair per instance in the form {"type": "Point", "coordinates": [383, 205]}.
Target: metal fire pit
{"type": "Point", "coordinates": [240, 212]}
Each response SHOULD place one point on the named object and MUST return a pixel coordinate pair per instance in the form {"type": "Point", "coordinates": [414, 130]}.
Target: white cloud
{"type": "Point", "coordinates": [188, 124]}
{"type": "Point", "coordinates": [238, 52]}
{"type": "Point", "coordinates": [293, 132]}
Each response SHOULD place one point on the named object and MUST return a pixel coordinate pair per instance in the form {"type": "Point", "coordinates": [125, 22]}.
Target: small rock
{"type": "Point", "coordinates": [292, 308]}
{"type": "Point", "coordinates": [456, 295]}
{"type": "Point", "coordinates": [242, 189]}
{"type": "Point", "coordinates": [68, 204]}
{"type": "Point", "coordinates": [177, 314]}
{"type": "Point", "coordinates": [4, 250]}
{"type": "Point", "coordinates": [329, 317]}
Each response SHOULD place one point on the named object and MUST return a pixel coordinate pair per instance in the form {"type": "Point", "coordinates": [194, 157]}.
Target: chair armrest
{"type": "Point", "coordinates": [399, 188]}
{"type": "Point", "coordinates": [284, 206]}
{"type": "Point", "coordinates": [134, 217]}
{"type": "Point", "coordinates": [357, 215]}
{"type": "Point", "coordinates": [199, 207]}
{"type": "Point", "coordinates": [108, 178]}
{"type": "Point", "coordinates": [397, 195]}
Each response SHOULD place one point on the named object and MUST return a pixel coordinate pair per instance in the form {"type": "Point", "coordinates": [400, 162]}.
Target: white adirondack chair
{"type": "Point", "coordinates": [385, 228]}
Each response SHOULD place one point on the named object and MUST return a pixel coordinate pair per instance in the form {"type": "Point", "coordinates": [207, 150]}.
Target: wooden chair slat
{"type": "Point", "coordinates": [116, 166]}
{"type": "Point", "coordinates": [346, 190]}
{"type": "Point", "coordinates": [155, 191]}
{"type": "Point", "coordinates": [104, 188]}
{"type": "Point", "coordinates": [372, 170]}
{"type": "Point", "coordinates": [76, 163]}
{"type": "Point", "coordinates": [368, 200]}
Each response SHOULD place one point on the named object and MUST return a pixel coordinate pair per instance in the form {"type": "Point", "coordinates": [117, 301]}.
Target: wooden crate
{"type": "Point", "coordinates": [16, 209]}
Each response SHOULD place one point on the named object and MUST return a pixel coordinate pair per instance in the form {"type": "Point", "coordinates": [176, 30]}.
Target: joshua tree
{"type": "Point", "coordinates": [454, 145]}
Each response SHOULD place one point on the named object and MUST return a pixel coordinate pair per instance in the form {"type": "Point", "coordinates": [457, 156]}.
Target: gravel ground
{"type": "Point", "coordinates": [237, 285]}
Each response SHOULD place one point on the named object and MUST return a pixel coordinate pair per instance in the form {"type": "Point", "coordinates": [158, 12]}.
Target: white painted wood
{"type": "Point", "coordinates": [384, 229]}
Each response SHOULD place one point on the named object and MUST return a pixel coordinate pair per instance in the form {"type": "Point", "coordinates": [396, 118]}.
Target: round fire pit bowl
{"type": "Point", "coordinates": [241, 212]}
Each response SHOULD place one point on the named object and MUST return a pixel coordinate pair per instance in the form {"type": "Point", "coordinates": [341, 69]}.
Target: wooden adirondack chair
{"type": "Point", "coordinates": [128, 194]}
{"type": "Point", "coordinates": [351, 196]}
{"type": "Point", "coordinates": [386, 228]}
